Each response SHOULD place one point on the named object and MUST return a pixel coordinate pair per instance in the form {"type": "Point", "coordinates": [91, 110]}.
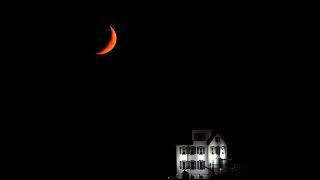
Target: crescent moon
{"type": "Point", "coordinates": [111, 44]}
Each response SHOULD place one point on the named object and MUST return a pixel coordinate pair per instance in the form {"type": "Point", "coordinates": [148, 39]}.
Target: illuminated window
{"type": "Point", "coordinates": [193, 164]}
{"type": "Point", "coordinates": [222, 150]}
{"type": "Point", "coordinates": [217, 139]}
{"type": "Point", "coordinates": [218, 150]}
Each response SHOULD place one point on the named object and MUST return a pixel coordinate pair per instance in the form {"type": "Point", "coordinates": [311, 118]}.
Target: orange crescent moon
{"type": "Point", "coordinates": [111, 44]}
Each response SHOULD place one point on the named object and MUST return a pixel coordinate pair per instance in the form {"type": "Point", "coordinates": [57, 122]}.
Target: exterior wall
{"type": "Point", "coordinates": [196, 157]}
{"type": "Point", "coordinates": [214, 161]}
{"type": "Point", "coordinates": [218, 160]}
{"type": "Point", "coordinates": [203, 157]}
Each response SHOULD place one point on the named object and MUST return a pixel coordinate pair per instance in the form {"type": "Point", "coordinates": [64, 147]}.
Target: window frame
{"type": "Point", "coordinates": [183, 150]}
{"type": "Point", "coordinates": [218, 150]}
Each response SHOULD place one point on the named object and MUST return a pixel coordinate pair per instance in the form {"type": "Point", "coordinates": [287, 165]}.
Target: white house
{"type": "Point", "coordinates": [206, 155]}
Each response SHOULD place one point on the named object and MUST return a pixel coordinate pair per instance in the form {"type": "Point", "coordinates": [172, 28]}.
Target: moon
{"type": "Point", "coordinates": [111, 44]}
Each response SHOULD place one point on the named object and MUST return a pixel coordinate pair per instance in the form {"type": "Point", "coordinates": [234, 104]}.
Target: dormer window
{"type": "Point", "coordinates": [199, 136]}
{"type": "Point", "coordinates": [217, 139]}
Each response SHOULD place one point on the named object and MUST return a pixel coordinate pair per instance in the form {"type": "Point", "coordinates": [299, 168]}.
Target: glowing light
{"type": "Point", "coordinates": [111, 44]}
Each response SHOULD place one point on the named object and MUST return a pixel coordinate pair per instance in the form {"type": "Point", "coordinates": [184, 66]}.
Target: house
{"type": "Point", "coordinates": [206, 156]}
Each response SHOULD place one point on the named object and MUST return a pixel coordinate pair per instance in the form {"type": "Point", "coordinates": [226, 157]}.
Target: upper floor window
{"type": "Point", "coordinates": [222, 150]}
{"type": "Point", "coordinates": [183, 150]}
{"type": "Point", "coordinates": [192, 150]}
{"type": "Point", "coordinates": [201, 150]}
{"type": "Point", "coordinates": [218, 150]}
{"type": "Point", "coordinates": [212, 149]}
{"type": "Point", "coordinates": [199, 137]}
{"type": "Point", "coordinates": [217, 139]}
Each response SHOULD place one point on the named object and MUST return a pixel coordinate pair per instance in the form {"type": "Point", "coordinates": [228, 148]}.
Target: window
{"type": "Point", "coordinates": [199, 137]}
{"type": "Point", "coordinates": [198, 165]}
{"type": "Point", "coordinates": [193, 164]}
{"type": "Point", "coordinates": [202, 164]}
{"type": "Point", "coordinates": [183, 164]}
{"type": "Point", "coordinates": [180, 150]}
{"type": "Point", "coordinates": [192, 150]}
{"type": "Point", "coordinates": [188, 149]}
{"type": "Point", "coordinates": [188, 165]}
{"type": "Point", "coordinates": [183, 150]}
{"type": "Point", "coordinates": [212, 149]}
{"type": "Point", "coordinates": [201, 150]}
{"type": "Point", "coordinates": [218, 150]}
{"type": "Point", "coordinates": [180, 165]}
{"type": "Point", "coordinates": [217, 139]}
{"type": "Point", "coordinates": [222, 150]}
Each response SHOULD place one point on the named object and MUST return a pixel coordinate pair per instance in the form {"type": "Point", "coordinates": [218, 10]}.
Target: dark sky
{"type": "Point", "coordinates": [189, 34]}
{"type": "Point", "coordinates": [175, 67]}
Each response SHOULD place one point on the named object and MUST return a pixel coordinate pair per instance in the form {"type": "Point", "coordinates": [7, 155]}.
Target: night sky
{"type": "Point", "coordinates": [171, 58]}
{"type": "Point", "coordinates": [174, 68]}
